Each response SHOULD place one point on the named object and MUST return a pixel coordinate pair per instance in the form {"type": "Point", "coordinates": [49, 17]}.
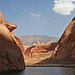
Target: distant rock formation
{"type": "Point", "coordinates": [63, 51]}
{"type": "Point", "coordinates": [40, 48]}
{"type": "Point", "coordinates": [66, 43]}
{"type": "Point", "coordinates": [30, 40]}
{"type": "Point", "coordinates": [11, 48]}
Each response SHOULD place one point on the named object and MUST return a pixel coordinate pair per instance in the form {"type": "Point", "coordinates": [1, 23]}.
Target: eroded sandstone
{"type": "Point", "coordinates": [66, 43]}
{"type": "Point", "coordinates": [11, 58]}
{"type": "Point", "coordinates": [41, 48]}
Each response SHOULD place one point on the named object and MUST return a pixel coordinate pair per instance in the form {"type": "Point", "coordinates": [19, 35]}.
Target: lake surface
{"type": "Point", "coordinates": [44, 71]}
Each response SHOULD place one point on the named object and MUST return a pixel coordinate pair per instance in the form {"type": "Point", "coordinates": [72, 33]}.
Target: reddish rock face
{"type": "Point", "coordinates": [1, 17]}
{"type": "Point", "coordinates": [28, 50]}
{"type": "Point", "coordinates": [10, 26]}
{"type": "Point", "coordinates": [40, 48]}
{"type": "Point", "coordinates": [11, 57]}
{"type": "Point", "coordinates": [18, 42]}
{"type": "Point", "coordinates": [66, 47]}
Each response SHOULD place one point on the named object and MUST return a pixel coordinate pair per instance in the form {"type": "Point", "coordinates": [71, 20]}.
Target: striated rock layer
{"type": "Point", "coordinates": [11, 48]}
{"type": "Point", "coordinates": [66, 43]}
{"type": "Point", "coordinates": [40, 48]}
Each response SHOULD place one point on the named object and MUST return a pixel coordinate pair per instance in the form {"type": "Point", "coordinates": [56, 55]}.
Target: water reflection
{"type": "Point", "coordinates": [44, 71]}
{"type": "Point", "coordinates": [10, 73]}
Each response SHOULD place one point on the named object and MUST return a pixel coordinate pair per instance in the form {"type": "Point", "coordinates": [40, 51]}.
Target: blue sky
{"type": "Point", "coordinates": [38, 17]}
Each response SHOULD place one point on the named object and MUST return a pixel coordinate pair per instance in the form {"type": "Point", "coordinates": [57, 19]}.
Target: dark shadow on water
{"type": "Point", "coordinates": [9, 73]}
{"type": "Point", "coordinates": [13, 73]}
{"type": "Point", "coordinates": [44, 71]}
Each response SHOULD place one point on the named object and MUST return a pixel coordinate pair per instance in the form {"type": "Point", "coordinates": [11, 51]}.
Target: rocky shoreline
{"type": "Point", "coordinates": [50, 65]}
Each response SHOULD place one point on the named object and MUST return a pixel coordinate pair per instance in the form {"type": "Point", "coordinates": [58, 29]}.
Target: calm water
{"type": "Point", "coordinates": [44, 71]}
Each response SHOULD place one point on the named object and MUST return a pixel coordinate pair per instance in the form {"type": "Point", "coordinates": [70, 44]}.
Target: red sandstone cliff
{"type": "Point", "coordinates": [66, 43]}
{"type": "Point", "coordinates": [11, 48]}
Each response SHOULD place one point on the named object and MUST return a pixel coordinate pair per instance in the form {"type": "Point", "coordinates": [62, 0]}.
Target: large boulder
{"type": "Point", "coordinates": [66, 43]}
{"type": "Point", "coordinates": [11, 57]}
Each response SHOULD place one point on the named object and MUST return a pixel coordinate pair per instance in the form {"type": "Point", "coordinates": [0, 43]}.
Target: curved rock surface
{"type": "Point", "coordinates": [10, 26]}
{"type": "Point", "coordinates": [18, 42]}
{"type": "Point", "coordinates": [66, 43]}
{"type": "Point", "coordinates": [11, 57]}
{"type": "Point", "coordinates": [40, 48]}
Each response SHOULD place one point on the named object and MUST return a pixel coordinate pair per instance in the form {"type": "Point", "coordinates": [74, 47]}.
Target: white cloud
{"type": "Point", "coordinates": [64, 7]}
{"type": "Point", "coordinates": [35, 16]}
